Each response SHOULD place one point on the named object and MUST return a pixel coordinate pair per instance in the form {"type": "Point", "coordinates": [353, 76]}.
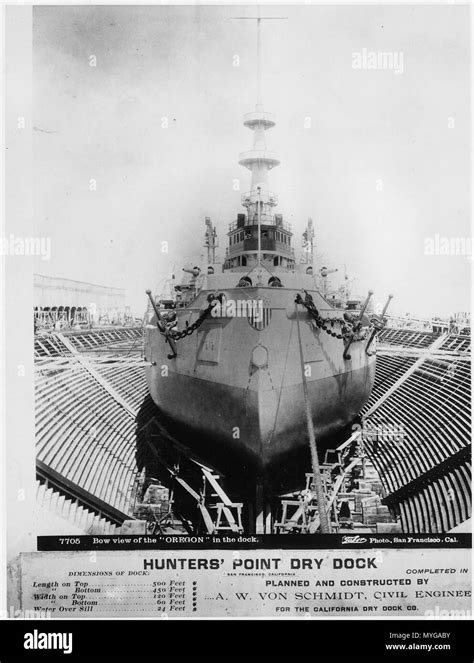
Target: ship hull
{"type": "Point", "coordinates": [268, 452]}
{"type": "Point", "coordinates": [240, 417]}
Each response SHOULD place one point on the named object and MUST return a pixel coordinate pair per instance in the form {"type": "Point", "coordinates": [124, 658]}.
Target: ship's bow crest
{"type": "Point", "coordinates": [260, 314]}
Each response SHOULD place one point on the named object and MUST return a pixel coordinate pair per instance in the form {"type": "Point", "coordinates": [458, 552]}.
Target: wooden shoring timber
{"type": "Point", "coordinates": [223, 508]}
{"type": "Point", "coordinates": [305, 515]}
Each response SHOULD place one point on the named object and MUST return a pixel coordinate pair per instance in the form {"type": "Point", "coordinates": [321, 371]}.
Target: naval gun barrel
{"type": "Point", "coordinates": [195, 271]}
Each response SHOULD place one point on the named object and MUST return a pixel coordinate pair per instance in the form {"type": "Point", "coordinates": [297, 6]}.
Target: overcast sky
{"type": "Point", "coordinates": [383, 166]}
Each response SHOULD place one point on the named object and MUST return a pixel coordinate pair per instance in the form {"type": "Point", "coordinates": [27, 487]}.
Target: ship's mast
{"type": "Point", "coordinates": [210, 241]}
{"type": "Point", "coordinates": [259, 160]}
{"type": "Point", "coordinates": [308, 244]}
{"type": "Point", "coordinates": [259, 61]}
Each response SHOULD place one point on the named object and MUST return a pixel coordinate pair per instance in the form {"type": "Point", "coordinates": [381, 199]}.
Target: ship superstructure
{"type": "Point", "coordinates": [228, 365]}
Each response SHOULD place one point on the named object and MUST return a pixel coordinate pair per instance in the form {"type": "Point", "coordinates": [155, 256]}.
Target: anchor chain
{"type": "Point", "coordinates": [349, 326]}
{"type": "Point", "coordinates": [321, 322]}
{"type": "Point", "coordinates": [165, 324]}
{"type": "Point", "coordinates": [190, 329]}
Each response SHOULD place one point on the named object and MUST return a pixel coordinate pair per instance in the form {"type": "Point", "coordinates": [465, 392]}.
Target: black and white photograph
{"type": "Point", "coordinates": [238, 263]}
